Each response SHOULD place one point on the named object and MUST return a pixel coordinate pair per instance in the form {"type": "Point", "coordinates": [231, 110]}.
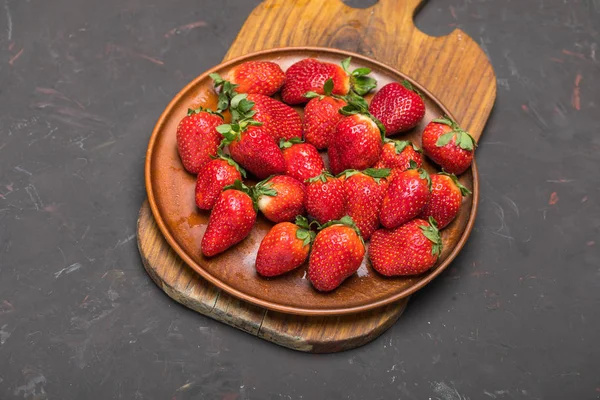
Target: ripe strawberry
{"type": "Point", "coordinates": [364, 195]}
{"type": "Point", "coordinates": [279, 120]}
{"type": "Point", "coordinates": [284, 248]}
{"type": "Point", "coordinates": [309, 75]}
{"type": "Point", "coordinates": [398, 154]}
{"type": "Point", "coordinates": [325, 199]}
{"type": "Point", "coordinates": [406, 197]}
{"type": "Point", "coordinates": [398, 106]}
{"type": "Point", "coordinates": [410, 249]}
{"type": "Point", "coordinates": [213, 177]}
{"type": "Point", "coordinates": [446, 198]}
{"type": "Point", "coordinates": [357, 141]}
{"type": "Point", "coordinates": [337, 253]}
{"type": "Point", "coordinates": [262, 77]}
{"type": "Point", "coordinates": [280, 198]}
{"type": "Point", "coordinates": [302, 160]}
{"type": "Point", "coordinates": [197, 138]}
{"type": "Point", "coordinates": [321, 115]}
{"type": "Point", "coordinates": [448, 145]}
{"type": "Point", "coordinates": [253, 148]}
{"type": "Point", "coordinates": [230, 221]}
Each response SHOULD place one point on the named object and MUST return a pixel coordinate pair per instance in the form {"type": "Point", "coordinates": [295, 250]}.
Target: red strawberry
{"type": "Point", "coordinates": [406, 197]}
{"type": "Point", "coordinates": [253, 148]}
{"type": "Point", "coordinates": [302, 160]}
{"type": "Point", "coordinates": [448, 145]}
{"type": "Point", "coordinates": [230, 221]}
{"type": "Point", "coordinates": [357, 141]}
{"type": "Point", "coordinates": [213, 177]}
{"type": "Point", "coordinates": [197, 138]}
{"type": "Point", "coordinates": [364, 194]}
{"type": "Point", "coordinates": [398, 154]}
{"type": "Point", "coordinates": [337, 253]}
{"type": "Point", "coordinates": [321, 115]}
{"type": "Point", "coordinates": [262, 77]}
{"type": "Point", "coordinates": [398, 106]}
{"type": "Point", "coordinates": [446, 198]}
{"type": "Point", "coordinates": [280, 198]}
{"type": "Point", "coordinates": [279, 120]}
{"type": "Point", "coordinates": [309, 75]}
{"type": "Point", "coordinates": [284, 248]}
{"type": "Point", "coordinates": [325, 199]}
{"type": "Point", "coordinates": [410, 249]}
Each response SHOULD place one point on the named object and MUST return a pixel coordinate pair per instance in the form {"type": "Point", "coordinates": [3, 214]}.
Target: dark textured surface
{"type": "Point", "coordinates": [81, 85]}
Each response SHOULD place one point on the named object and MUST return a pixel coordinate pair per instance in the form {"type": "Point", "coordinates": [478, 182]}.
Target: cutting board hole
{"type": "Point", "coordinates": [436, 17]}
{"type": "Point", "coordinates": [360, 3]}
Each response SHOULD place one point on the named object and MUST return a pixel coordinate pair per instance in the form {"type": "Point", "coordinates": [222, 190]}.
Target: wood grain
{"type": "Point", "coordinates": [313, 334]}
{"type": "Point", "coordinates": [452, 67]}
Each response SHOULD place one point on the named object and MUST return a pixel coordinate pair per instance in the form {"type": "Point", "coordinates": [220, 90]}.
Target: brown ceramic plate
{"type": "Point", "coordinates": [171, 194]}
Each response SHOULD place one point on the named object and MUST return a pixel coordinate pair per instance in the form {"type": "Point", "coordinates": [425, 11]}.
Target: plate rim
{"type": "Point", "coordinates": [267, 304]}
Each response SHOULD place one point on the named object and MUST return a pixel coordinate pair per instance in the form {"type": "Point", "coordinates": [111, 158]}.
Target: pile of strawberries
{"type": "Point", "coordinates": [373, 189]}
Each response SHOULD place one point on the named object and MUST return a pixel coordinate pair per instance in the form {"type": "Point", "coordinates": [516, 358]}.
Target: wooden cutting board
{"type": "Point", "coordinates": [453, 68]}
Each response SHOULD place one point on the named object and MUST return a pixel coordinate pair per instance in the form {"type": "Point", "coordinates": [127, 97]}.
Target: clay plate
{"type": "Point", "coordinates": [171, 194]}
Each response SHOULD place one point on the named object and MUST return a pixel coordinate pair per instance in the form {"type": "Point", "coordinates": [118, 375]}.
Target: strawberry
{"type": "Point", "coordinates": [280, 198]}
{"type": "Point", "coordinates": [279, 120]}
{"type": "Point", "coordinates": [357, 141]}
{"type": "Point", "coordinates": [284, 248]}
{"type": "Point", "coordinates": [310, 75]}
{"type": "Point", "coordinates": [448, 145]}
{"type": "Point", "coordinates": [406, 197]}
{"type": "Point", "coordinates": [410, 249]}
{"type": "Point", "coordinates": [321, 115]}
{"type": "Point", "coordinates": [302, 160]}
{"type": "Point", "coordinates": [230, 221]}
{"type": "Point", "coordinates": [364, 193]}
{"type": "Point", "coordinates": [262, 77]}
{"type": "Point", "coordinates": [249, 144]}
{"type": "Point", "coordinates": [213, 177]}
{"type": "Point", "coordinates": [325, 199]}
{"type": "Point", "coordinates": [446, 198]}
{"type": "Point", "coordinates": [399, 107]}
{"type": "Point", "coordinates": [338, 251]}
{"type": "Point", "coordinates": [398, 154]}
{"type": "Point", "coordinates": [197, 138]}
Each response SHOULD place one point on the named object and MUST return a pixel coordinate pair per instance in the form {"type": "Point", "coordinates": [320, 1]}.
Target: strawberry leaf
{"type": "Point", "coordinates": [425, 175]}
{"type": "Point", "coordinates": [463, 190]}
{"type": "Point", "coordinates": [322, 177]}
{"type": "Point", "coordinates": [225, 128]}
{"type": "Point", "coordinates": [347, 173]}
{"type": "Point", "coordinates": [286, 144]}
{"type": "Point", "coordinates": [465, 141]}
{"type": "Point", "coordinates": [346, 220]}
{"type": "Point", "coordinates": [302, 222]}
{"type": "Point", "coordinates": [432, 233]}
{"type": "Point", "coordinates": [346, 64]}
{"type": "Point", "coordinates": [217, 79]}
{"type": "Point", "coordinates": [445, 139]}
{"type": "Point", "coordinates": [311, 95]}
{"type": "Point", "coordinates": [412, 164]}
{"type": "Point", "coordinates": [328, 87]}
{"type": "Point", "coordinates": [263, 188]}
{"type": "Point", "coordinates": [361, 71]}
{"type": "Point", "coordinates": [362, 85]}
{"type": "Point", "coordinates": [377, 173]}
{"type": "Point", "coordinates": [400, 145]}
{"type": "Point", "coordinates": [444, 120]}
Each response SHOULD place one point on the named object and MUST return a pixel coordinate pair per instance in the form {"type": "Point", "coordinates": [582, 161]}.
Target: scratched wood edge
{"type": "Point", "coordinates": [408, 52]}
{"type": "Point", "coordinates": [308, 334]}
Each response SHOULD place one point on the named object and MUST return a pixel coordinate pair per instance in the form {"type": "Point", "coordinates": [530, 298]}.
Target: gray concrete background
{"type": "Point", "coordinates": [81, 86]}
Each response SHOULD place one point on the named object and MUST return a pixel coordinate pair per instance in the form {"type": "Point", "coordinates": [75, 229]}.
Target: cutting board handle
{"type": "Point", "coordinates": [452, 67]}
